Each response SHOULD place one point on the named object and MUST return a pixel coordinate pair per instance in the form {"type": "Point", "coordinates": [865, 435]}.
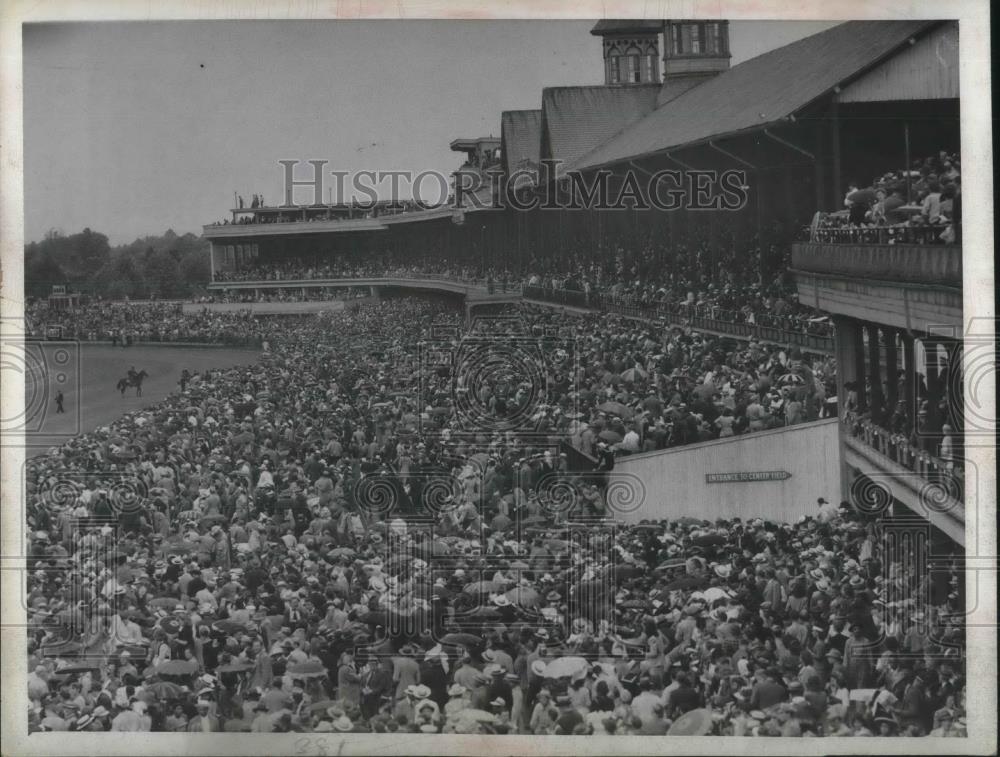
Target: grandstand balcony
{"type": "Point", "coordinates": [259, 223]}
{"type": "Point", "coordinates": [896, 305]}
{"type": "Point", "coordinates": [906, 285]}
{"type": "Point", "coordinates": [813, 336]}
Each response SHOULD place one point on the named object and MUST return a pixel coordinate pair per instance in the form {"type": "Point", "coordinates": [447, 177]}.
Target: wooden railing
{"type": "Point", "coordinates": [898, 448]}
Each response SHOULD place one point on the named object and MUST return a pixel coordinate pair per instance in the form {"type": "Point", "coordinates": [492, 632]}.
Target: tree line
{"type": "Point", "coordinates": [164, 267]}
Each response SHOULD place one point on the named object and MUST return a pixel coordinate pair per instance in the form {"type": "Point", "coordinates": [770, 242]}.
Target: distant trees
{"type": "Point", "coordinates": [167, 266]}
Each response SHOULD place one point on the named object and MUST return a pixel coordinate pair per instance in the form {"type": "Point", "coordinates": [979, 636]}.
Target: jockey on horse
{"type": "Point", "coordinates": [134, 378]}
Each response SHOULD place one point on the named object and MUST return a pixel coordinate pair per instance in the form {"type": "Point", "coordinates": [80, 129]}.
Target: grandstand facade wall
{"type": "Point", "coordinates": [742, 476]}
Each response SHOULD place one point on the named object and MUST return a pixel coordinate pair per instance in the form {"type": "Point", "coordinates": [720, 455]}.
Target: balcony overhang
{"type": "Point", "coordinates": [292, 228]}
{"type": "Point", "coordinates": [347, 226]}
{"type": "Point", "coordinates": [919, 495]}
{"type": "Point", "coordinates": [478, 292]}
{"type": "Point", "coordinates": [912, 287]}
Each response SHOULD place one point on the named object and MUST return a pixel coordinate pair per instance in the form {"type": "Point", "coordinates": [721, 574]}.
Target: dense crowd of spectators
{"type": "Point", "coordinates": [311, 294]}
{"type": "Point", "coordinates": [921, 205]}
{"type": "Point", "coordinates": [775, 306]}
{"type": "Point", "coordinates": [317, 543]}
{"type": "Point", "coordinates": [634, 279]}
{"type": "Point", "coordinates": [130, 323]}
{"type": "Point", "coordinates": [374, 265]}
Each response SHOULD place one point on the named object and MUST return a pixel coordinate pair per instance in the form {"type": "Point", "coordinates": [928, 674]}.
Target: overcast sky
{"type": "Point", "coordinates": [134, 128]}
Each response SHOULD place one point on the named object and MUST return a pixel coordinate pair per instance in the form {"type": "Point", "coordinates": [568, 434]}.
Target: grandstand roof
{"type": "Point", "coordinates": [755, 93]}
{"type": "Point", "coordinates": [575, 120]}
{"type": "Point", "coordinates": [627, 26]}
{"type": "Point", "coordinates": [675, 86]}
{"type": "Point", "coordinates": [521, 138]}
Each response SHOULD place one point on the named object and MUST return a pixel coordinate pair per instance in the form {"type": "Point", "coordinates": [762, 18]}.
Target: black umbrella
{"type": "Point", "coordinates": [462, 639]}
{"type": "Point", "coordinates": [687, 582]}
{"type": "Point", "coordinates": [709, 540]}
{"type": "Point", "coordinates": [229, 626]}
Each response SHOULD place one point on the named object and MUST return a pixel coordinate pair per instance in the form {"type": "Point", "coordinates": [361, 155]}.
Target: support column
{"type": "Point", "coordinates": [874, 365]}
{"type": "Point", "coordinates": [892, 370]}
{"type": "Point", "coordinates": [211, 257]}
{"type": "Point", "coordinates": [859, 365]}
{"type": "Point", "coordinates": [935, 392]}
{"type": "Point", "coordinates": [846, 334]}
{"type": "Point", "coordinates": [820, 172]}
{"type": "Point", "coordinates": [910, 384]}
{"type": "Point", "coordinates": [953, 395]}
{"type": "Point", "coordinates": [835, 177]}
{"type": "Point", "coordinates": [931, 366]}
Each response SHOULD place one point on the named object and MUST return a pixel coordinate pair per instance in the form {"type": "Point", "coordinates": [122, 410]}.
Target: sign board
{"type": "Point", "coordinates": [747, 477]}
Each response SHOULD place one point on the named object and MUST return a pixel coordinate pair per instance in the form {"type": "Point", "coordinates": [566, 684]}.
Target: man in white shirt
{"type": "Point", "coordinates": [827, 512]}
{"type": "Point", "coordinates": [134, 719]}
{"type": "Point", "coordinates": [932, 202]}
{"type": "Point", "coordinates": [631, 441]}
{"type": "Point", "coordinates": [646, 701]}
{"type": "Point", "coordinates": [124, 630]}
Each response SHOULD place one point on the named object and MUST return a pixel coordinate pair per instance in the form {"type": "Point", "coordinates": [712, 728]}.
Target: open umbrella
{"type": "Point", "coordinates": [235, 667]}
{"type": "Point", "coordinates": [687, 520]}
{"type": "Point", "coordinates": [676, 563]}
{"type": "Point", "coordinates": [480, 459]}
{"type": "Point", "coordinates": [693, 723]}
{"type": "Point", "coordinates": [164, 603]}
{"type": "Point", "coordinates": [615, 408]}
{"type": "Point", "coordinates": [864, 196]}
{"type": "Point", "coordinates": [461, 639]}
{"type": "Point", "coordinates": [308, 669]}
{"type": "Point", "coordinates": [483, 587]}
{"type": "Point", "coordinates": [472, 716]}
{"type": "Point", "coordinates": [636, 604]}
{"type": "Point", "coordinates": [214, 518]}
{"type": "Point", "coordinates": [633, 374]}
{"type": "Point", "coordinates": [176, 667]}
{"type": "Point", "coordinates": [687, 582]}
{"type": "Point", "coordinates": [341, 552]}
{"type": "Point", "coordinates": [78, 666]}
{"type": "Point", "coordinates": [709, 540]}
{"type": "Point", "coordinates": [713, 593]}
{"type": "Point", "coordinates": [523, 596]}
{"type": "Point", "coordinates": [565, 666]}
{"type": "Point", "coordinates": [244, 438]}
{"type": "Point", "coordinates": [228, 626]}
{"type": "Point", "coordinates": [170, 625]}
{"type": "Point", "coordinates": [322, 705]}
{"type": "Point", "coordinates": [164, 690]}
{"type": "Point", "coordinates": [609, 436]}
{"type": "Point", "coordinates": [623, 572]}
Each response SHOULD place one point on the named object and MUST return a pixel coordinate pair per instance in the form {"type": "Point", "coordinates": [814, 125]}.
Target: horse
{"type": "Point", "coordinates": [133, 379]}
